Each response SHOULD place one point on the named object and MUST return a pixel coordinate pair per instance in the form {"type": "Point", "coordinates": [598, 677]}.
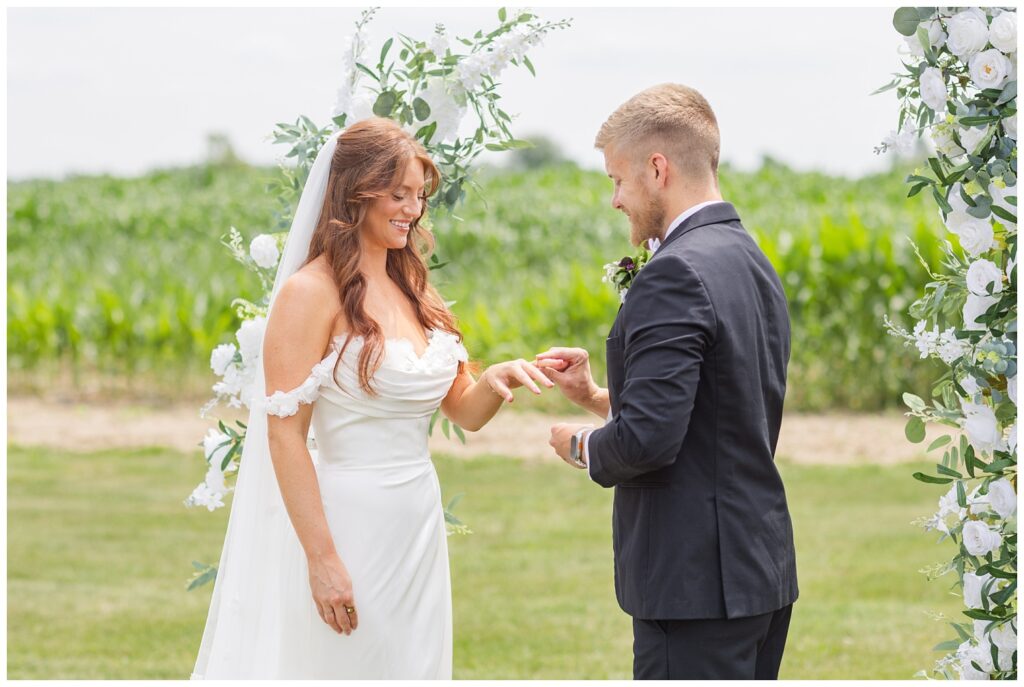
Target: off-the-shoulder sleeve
{"type": "Point", "coordinates": [286, 403]}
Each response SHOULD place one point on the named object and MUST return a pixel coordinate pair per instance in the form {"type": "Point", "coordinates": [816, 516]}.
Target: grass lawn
{"type": "Point", "coordinates": [99, 547]}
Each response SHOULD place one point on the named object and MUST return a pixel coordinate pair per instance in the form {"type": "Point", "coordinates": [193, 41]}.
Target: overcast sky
{"type": "Point", "coordinates": [125, 90]}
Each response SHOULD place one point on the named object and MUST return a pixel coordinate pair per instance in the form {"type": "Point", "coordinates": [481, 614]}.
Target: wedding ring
{"type": "Point", "coordinates": [350, 610]}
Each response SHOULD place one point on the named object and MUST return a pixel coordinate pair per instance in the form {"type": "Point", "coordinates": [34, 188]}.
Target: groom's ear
{"type": "Point", "coordinates": [659, 165]}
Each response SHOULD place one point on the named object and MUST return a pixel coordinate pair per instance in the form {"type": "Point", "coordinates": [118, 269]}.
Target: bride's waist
{"type": "Point", "coordinates": [371, 442]}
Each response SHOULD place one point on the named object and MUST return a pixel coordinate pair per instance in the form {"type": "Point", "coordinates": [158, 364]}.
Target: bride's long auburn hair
{"type": "Point", "coordinates": [369, 162]}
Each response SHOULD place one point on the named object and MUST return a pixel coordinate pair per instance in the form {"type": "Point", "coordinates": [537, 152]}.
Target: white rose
{"type": "Point", "coordinates": [989, 69]}
{"type": "Point", "coordinates": [981, 274]}
{"type": "Point", "coordinates": [1011, 388]}
{"type": "Point", "coordinates": [970, 385]}
{"type": "Point", "coordinates": [1010, 127]}
{"type": "Point", "coordinates": [1002, 33]}
{"type": "Point", "coordinates": [1000, 193]}
{"type": "Point", "coordinates": [1005, 638]}
{"type": "Point", "coordinates": [982, 653]}
{"type": "Point", "coordinates": [250, 338]}
{"type": "Point", "coordinates": [982, 427]}
{"type": "Point", "coordinates": [979, 539]}
{"type": "Point", "coordinates": [948, 504]}
{"type": "Point", "coordinates": [1011, 438]}
{"type": "Point", "coordinates": [977, 501]}
{"type": "Point", "coordinates": [971, 137]}
{"type": "Point", "coordinates": [221, 357]}
{"type": "Point", "coordinates": [968, 33]}
{"type": "Point", "coordinates": [1002, 498]}
{"type": "Point", "coordinates": [974, 308]}
{"type": "Point", "coordinates": [976, 235]}
{"type": "Point", "coordinates": [967, 671]}
{"type": "Point", "coordinates": [956, 199]}
{"type": "Point", "coordinates": [945, 143]}
{"type": "Point", "coordinates": [973, 585]}
{"type": "Point", "coordinates": [215, 480]}
{"type": "Point", "coordinates": [979, 653]}
{"type": "Point", "coordinates": [933, 89]}
{"type": "Point", "coordinates": [212, 448]}
{"type": "Point", "coordinates": [936, 38]}
{"type": "Point", "coordinates": [263, 251]}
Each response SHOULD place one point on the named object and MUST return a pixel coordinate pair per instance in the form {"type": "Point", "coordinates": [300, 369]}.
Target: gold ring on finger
{"type": "Point", "coordinates": [350, 610]}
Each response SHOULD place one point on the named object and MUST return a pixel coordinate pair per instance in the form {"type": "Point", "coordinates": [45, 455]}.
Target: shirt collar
{"type": "Point", "coordinates": [654, 244]}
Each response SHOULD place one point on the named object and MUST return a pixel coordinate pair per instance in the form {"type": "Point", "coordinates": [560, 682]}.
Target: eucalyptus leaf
{"type": "Point", "coordinates": [920, 476]}
{"type": "Point", "coordinates": [906, 20]}
{"type": "Point", "coordinates": [384, 104]}
{"type": "Point", "coordinates": [915, 403]}
{"type": "Point", "coordinates": [421, 108]}
{"type": "Point", "coordinates": [1008, 94]}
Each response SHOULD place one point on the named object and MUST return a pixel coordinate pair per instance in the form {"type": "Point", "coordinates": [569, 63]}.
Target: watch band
{"type": "Point", "coordinates": [576, 448]}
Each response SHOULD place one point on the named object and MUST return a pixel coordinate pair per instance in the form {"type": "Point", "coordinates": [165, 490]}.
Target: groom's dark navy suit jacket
{"type": "Point", "coordinates": [697, 362]}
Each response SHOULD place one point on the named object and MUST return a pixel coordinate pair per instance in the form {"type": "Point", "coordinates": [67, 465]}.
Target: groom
{"type": "Point", "coordinates": [703, 543]}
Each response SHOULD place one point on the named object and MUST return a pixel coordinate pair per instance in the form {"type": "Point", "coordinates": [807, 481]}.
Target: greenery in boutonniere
{"type": "Point", "coordinates": [622, 273]}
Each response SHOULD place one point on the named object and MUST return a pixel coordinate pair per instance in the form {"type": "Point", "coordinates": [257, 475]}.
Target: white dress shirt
{"type": "Point", "coordinates": [654, 245]}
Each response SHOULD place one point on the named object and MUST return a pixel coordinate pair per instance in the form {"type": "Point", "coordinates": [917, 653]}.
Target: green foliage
{"type": "Point", "coordinates": [124, 277]}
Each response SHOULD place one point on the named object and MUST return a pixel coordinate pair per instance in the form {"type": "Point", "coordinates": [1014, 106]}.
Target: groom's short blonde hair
{"type": "Point", "coordinates": [670, 119]}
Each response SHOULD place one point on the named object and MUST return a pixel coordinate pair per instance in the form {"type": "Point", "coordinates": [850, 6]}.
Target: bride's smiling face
{"type": "Point", "coordinates": [389, 218]}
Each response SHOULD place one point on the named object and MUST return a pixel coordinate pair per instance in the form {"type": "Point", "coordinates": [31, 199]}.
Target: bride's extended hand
{"type": "Point", "coordinates": [332, 593]}
{"type": "Point", "coordinates": [503, 377]}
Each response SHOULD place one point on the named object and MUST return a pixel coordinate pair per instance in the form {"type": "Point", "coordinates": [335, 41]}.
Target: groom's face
{"type": "Point", "coordinates": [634, 195]}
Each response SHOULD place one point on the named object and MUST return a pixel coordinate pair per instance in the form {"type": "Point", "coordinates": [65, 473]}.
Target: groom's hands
{"type": "Point", "coordinates": [569, 368]}
{"type": "Point", "coordinates": [561, 436]}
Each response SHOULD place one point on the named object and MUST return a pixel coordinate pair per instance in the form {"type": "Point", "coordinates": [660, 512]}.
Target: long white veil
{"type": "Point", "coordinates": [240, 639]}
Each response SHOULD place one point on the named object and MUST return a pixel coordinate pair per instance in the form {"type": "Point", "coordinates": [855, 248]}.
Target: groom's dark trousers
{"type": "Point", "coordinates": [703, 542]}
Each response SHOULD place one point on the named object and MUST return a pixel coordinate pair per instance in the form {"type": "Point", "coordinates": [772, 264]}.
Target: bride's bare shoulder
{"type": "Point", "coordinates": [310, 296]}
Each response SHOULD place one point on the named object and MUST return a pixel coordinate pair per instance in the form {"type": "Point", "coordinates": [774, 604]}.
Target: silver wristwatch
{"type": "Point", "coordinates": [576, 448]}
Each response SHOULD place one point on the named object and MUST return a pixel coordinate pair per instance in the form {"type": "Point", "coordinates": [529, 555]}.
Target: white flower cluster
{"type": "Point", "coordinates": [982, 428]}
{"type": "Point", "coordinates": [1003, 638]}
{"type": "Point", "coordinates": [902, 141]}
{"type": "Point", "coordinates": [238, 372]}
{"type": "Point", "coordinates": [447, 108]}
{"type": "Point", "coordinates": [509, 46]}
{"type": "Point", "coordinates": [970, 53]}
{"type": "Point", "coordinates": [945, 345]}
{"type": "Point", "coordinates": [210, 492]}
{"type": "Point", "coordinates": [989, 53]}
{"type": "Point", "coordinates": [351, 100]}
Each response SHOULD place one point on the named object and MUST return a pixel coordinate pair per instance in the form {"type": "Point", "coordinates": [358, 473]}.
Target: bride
{"type": "Point", "coordinates": [335, 561]}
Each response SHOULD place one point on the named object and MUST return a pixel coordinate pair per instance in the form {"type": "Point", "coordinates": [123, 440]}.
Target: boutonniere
{"type": "Point", "coordinates": [622, 273]}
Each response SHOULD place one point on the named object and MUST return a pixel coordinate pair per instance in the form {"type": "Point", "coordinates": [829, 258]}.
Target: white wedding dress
{"type": "Point", "coordinates": [382, 501]}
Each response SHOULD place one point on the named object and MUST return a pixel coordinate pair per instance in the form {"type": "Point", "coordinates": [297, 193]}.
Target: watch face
{"type": "Point", "coordinates": [574, 448]}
